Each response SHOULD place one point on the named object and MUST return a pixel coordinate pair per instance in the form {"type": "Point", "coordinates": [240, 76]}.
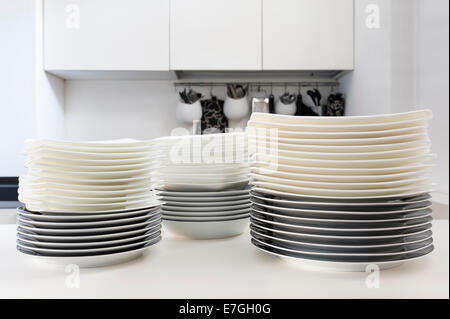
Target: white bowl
{"type": "Point", "coordinates": [208, 230]}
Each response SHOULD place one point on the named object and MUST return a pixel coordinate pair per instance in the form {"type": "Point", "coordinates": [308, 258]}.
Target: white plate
{"type": "Point", "coordinates": [195, 179]}
{"type": "Point", "coordinates": [255, 143]}
{"type": "Point", "coordinates": [203, 201]}
{"type": "Point", "coordinates": [205, 219]}
{"type": "Point", "coordinates": [209, 203]}
{"type": "Point", "coordinates": [50, 198]}
{"type": "Point", "coordinates": [347, 120]}
{"type": "Point", "coordinates": [213, 187]}
{"type": "Point", "coordinates": [75, 155]}
{"type": "Point", "coordinates": [206, 169]}
{"type": "Point", "coordinates": [363, 186]}
{"type": "Point", "coordinates": [36, 165]}
{"type": "Point", "coordinates": [47, 190]}
{"type": "Point", "coordinates": [341, 171]}
{"type": "Point", "coordinates": [208, 230]}
{"type": "Point", "coordinates": [232, 136]}
{"type": "Point", "coordinates": [91, 162]}
{"type": "Point", "coordinates": [377, 163]}
{"type": "Point", "coordinates": [343, 194]}
{"type": "Point", "coordinates": [89, 184]}
{"type": "Point", "coordinates": [88, 224]}
{"type": "Point", "coordinates": [89, 149]}
{"type": "Point", "coordinates": [89, 238]}
{"type": "Point", "coordinates": [403, 153]}
{"type": "Point", "coordinates": [317, 265]}
{"type": "Point", "coordinates": [420, 173]}
{"type": "Point", "coordinates": [85, 231]}
{"type": "Point", "coordinates": [109, 243]}
{"type": "Point", "coordinates": [96, 176]}
{"type": "Point", "coordinates": [205, 172]}
{"type": "Point", "coordinates": [290, 125]}
{"type": "Point", "coordinates": [345, 135]}
{"type": "Point", "coordinates": [66, 217]}
{"type": "Point", "coordinates": [288, 205]}
{"type": "Point", "coordinates": [92, 261]}
{"type": "Point", "coordinates": [206, 209]}
{"type": "Point", "coordinates": [192, 213]}
{"type": "Point", "coordinates": [343, 141]}
{"type": "Point", "coordinates": [49, 208]}
{"type": "Point", "coordinates": [205, 194]}
{"type": "Point", "coordinates": [97, 144]}
{"type": "Point", "coordinates": [38, 183]}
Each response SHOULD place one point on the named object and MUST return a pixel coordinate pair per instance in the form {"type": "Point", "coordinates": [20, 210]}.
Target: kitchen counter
{"type": "Point", "coordinates": [229, 268]}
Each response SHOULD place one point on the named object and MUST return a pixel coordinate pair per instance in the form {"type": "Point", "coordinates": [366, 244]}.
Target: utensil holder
{"type": "Point", "coordinates": [188, 113]}
{"type": "Point", "coordinates": [236, 109]}
{"type": "Point", "coordinates": [285, 109]}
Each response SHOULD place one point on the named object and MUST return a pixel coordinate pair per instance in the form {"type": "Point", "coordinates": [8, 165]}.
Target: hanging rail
{"type": "Point", "coordinates": [259, 84]}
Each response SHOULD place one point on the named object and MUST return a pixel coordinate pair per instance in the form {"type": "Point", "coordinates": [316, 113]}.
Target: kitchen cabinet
{"type": "Point", "coordinates": [113, 35]}
{"type": "Point", "coordinates": [308, 34]}
{"type": "Point", "coordinates": [216, 35]}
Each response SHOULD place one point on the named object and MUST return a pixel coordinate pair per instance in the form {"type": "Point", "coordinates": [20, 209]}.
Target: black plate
{"type": "Point", "coordinates": [302, 248]}
{"type": "Point", "coordinates": [81, 239]}
{"type": "Point", "coordinates": [310, 205]}
{"type": "Point", "coordinates": [320, 215]}
{"type": "Point", "coordinates": [358, 226]}
{"type": "Point", "coordinates": [34, 253]}
{"type": "Point", "coordinates": [76, 224]}
{"type": "Point", "coordinates": [83, 217]}
{"type": "Point", "coordinates": [95, 231]}
{"type": "Point", "coordinates": [346, 259]}
{"type": "Point", "coordinates": [341, 241]}
{"type": "Point", "coordinates": [377, 233]}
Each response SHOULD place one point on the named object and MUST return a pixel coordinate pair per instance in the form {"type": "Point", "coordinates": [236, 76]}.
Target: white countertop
{"type": "Point", "coordinates": [230, 268]}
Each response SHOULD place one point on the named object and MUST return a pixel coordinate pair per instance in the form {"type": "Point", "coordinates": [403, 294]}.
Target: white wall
{"type": "Point", "coordinates": [49, 97]}
{"type": "Point", "coordinates": [368, 88]}
{"type": "Point", "coordinates": [433, 79]}
{"type": "Point", "coordinates": [98, 110]}
{"type": "Point", "coordinates": [403, 66]}
{"type": "Point", "coordinates": [136, 109]}
{"type": "Point", "coordinates": [17, 94]}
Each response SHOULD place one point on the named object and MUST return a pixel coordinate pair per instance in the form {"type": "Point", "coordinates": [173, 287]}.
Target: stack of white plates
{"type": "Point", "coordinates": [88, 203]}
{"type": "Point", "coordinates": [342, 193]}
{"type": "Point", "coordinates": [203, 183]}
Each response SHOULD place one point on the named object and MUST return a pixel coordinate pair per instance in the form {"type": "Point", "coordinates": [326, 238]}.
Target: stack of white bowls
{"type": "Point", "coordinates": [203, 182]}
{"type": "Point", "coordinates": [342, 193]}
{"type": "Point", "coordinates": [87, 203]}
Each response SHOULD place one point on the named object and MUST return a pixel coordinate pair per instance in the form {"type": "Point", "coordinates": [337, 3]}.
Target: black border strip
{"type": "Point", "coordinates": [8, 188]}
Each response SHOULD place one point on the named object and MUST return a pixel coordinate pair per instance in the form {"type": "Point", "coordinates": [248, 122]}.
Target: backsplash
{"type": "Point", "coordinates": [94, 110]}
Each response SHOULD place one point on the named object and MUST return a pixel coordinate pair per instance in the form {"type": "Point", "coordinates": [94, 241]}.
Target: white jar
{"type": "Point", "coordinates": [188, 113]}
{"type": "Point", "coordinates": [285, 109]}
{"type": "Point", "coordinates": [236, 109]}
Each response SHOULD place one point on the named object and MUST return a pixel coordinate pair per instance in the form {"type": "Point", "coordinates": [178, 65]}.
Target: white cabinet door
{"type": "Point", "coordinates": [308, 34]}
{"type": "Point", "coordinates": [215, 35]}
{"type": "Point", "coordinates": [106, 35]}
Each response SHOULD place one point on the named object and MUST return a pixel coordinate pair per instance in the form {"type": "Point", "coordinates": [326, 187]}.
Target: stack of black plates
{"type": "Point", "coordinates": [346, 236]}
